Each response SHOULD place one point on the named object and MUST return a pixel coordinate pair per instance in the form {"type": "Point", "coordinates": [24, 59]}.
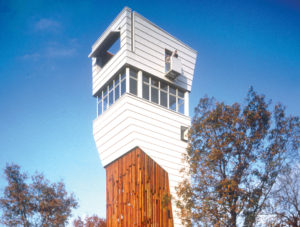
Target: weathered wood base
{"type": "Point", "coordinates": [137, 192]}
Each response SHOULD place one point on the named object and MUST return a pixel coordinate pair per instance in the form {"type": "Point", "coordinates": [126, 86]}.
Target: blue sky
{"type": "Point", "coordinates": [46, 103]}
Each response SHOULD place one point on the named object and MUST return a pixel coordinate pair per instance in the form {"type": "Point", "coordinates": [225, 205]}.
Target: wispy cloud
{"type": "Point", "coordinates": [54, 52]}
{"type": "Point", "coordinates": [45, 24]}
{"type": "Point", "coordinates": [32, 56]}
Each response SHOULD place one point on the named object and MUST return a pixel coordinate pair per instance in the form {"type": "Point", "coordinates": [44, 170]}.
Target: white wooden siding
{"type": "Point", "coordinates": [149, 43]}
{"type": "Point", "coordinates": [132, 121]}
{"type": "Point", "coordinates": [102, 75]}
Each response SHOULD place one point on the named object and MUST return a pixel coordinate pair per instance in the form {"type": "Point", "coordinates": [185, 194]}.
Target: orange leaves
{"type": "Point", "coordinates": [235, 154]}
{"type": "Point", "coordinates": [37, 204]}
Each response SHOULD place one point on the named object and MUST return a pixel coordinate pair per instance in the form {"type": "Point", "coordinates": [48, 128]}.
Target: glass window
{"type": "Point", "coordinates": [117, 92]}
{"type": "Point", "coordinates": [123, 86]}
{"type": "Point", "coordinates": [117, 80]}
{"type": "Point", "coordinates": [154, 82]}
{"type": "Point", "coordinates": [154, 95]}
{"type": "Point", "coordinates": [163, 98]}
{"type": "Point", "coordinates": [123, 76]}
{"type": "Point", "coordinates": [146, 91]}
{"type": "Point", "coordinates": [104, 103]}
{"type": "Point", "coordinates": [172, 90]}
{"type": "Point", "coordinates": [111, 97]}
{"type": "Point", "coordinates": [146, 79]}
{"type": "Point", "coordinates": [133, 73]}
{"type": "Point", "coordinates": [181, 105]}
{"type": "Point", "coordinates": [172, 102]}
{"type": "Point", "coordinates": [133, 86]}
{"type": "Point", "coordinates": [111, 85]}
{"type": "Point", "coordinates": [180, 93]}
{"type": "Point", "coordinates": [100, 107]}
{"type": "Point", "coordinates": [163, 86]}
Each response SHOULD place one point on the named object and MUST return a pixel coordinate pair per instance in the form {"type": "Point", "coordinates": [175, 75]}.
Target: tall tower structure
{"type": "Point", "coordinates": [142, 77]}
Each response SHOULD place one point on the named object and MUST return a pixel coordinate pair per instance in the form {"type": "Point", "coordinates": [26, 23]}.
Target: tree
{"type": "Point", "coordinates": [285, 199]}
{"type": "Point", "coordinates": [37, 204]}
{"type": "Point", "coordinates": [234, 155]}
{"type": "Point", "coordinates": [92, 221]}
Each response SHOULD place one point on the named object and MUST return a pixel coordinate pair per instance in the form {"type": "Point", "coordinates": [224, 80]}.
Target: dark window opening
{"type": "Point", "coordinates": [107, 49]}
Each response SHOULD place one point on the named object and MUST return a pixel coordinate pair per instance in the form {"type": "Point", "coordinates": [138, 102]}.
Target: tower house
{"type": "Point", "coordinates": [142, 77]}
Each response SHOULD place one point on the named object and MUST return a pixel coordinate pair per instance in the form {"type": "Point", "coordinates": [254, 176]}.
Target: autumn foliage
{"type": "Point", "coordinates": [92, 221]}
{"type": "Point", "coordinates": [235, 154]}
{"type": "Point", "coordinates": [39, 203]}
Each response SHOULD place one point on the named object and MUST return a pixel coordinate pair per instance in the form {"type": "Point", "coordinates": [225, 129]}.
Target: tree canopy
{"type": "Point", "coordinates": [39, 203]}
{"type": "Point", "coordinates": [92, 221]}
{"type": "Point", "coordinates": [234, 156]}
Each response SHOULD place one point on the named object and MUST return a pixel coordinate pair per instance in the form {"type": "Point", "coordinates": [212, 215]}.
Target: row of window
{"type": "Point", "coordinates": [163, 94]}
{"type": "Point", "coordinates": [112, 92]}
{"type": "Point", "coordinates": [154, 90]}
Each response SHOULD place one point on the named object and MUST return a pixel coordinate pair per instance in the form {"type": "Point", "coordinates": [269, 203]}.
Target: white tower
{"type": "Point", "coordinates": [142, 77]}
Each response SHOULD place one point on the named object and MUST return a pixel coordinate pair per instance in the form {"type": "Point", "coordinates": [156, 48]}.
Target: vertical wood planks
{"type": "Point", "coordinates": [135, 188]}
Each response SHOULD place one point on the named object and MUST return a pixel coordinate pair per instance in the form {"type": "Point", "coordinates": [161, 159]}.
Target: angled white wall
{"type": "Point", "coordinates": [134, 122]}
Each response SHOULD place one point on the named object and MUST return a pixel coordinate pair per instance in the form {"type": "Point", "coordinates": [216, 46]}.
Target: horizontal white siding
{"type": "Point", "coordinates": [150, 45]}
{"type": "Point", "coordinates": [132, 122]}
{"type": "Point", "coordinates": [103, 75]}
